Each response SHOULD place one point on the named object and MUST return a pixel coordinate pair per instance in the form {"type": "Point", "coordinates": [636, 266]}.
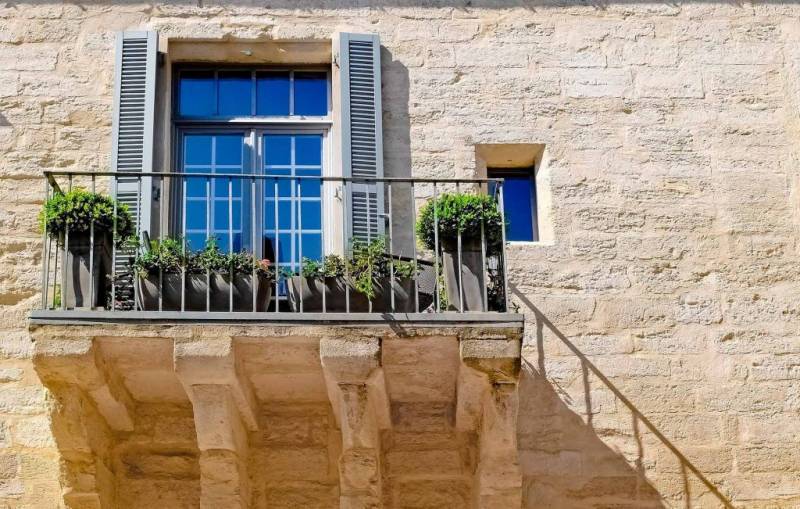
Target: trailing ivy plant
{"type": "Point", "coordinates": [367, 265]}
{"type": "Point", "coordinates": [77, 209]}
{"type": "Point", "coordinates": [462, 213]}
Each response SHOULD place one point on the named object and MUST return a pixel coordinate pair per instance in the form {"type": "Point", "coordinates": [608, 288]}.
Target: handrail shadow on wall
{"type": "Point", "coordinates": [537, 375]}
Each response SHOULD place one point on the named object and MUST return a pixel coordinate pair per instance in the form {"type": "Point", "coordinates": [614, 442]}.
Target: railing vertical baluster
{"type": "Point", "coordinates": [210, 201]}
{"type": "Point", "coordinates": [276, 248]}
{"type": "Point", "coordinates": [503, 248]}
{"type": "Point", "coordinates": [65, 258]}
{"type": "Point", "coordinates": [160, 236]}
{"type": "Point", "coordinates": [230, 243]}
{"type": "Point", "coordinates": [114, 243]}
{"type": "Point", "coordinates": [436, 246]}
{"type": "Point", "coordinates": [300, 230]}
{"type": "Point", "coordinates": [138, 231]}
{"type": "Point", "coordinates": [391, 244]}
{"type": "Point", "coordinates": [369, 229]}
{"type": "Point", "coordinates": [348, 244]}
{"type": "Point", "coordinates": [255, 283]}
{"type": "Point", "coordinates": [55, 272]}
{"type": "Point", "coordinates": [184, 189]}
{"type": "Point", "coordinates": [322, 245]}
{"type": "Point", "coordinates": [415, 278]}
{"type": "Point", "coordinates": [460, 264]}
{"type": "Point", "coordinates": [91, 255]}
{"type": "Point", "coordinates": [484, 268]}
{"type": "Point", "coordinates": [45, 249]}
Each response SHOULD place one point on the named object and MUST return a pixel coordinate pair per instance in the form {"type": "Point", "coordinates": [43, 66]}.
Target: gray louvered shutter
{"type": "Point", "coordinates": [359, 59]}
{"type": "Point", "coordinates": [132, 143]}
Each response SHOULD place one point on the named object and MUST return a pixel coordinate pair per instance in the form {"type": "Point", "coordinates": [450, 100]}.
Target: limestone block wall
{"type": "Point", "coordinates": [662, 348]}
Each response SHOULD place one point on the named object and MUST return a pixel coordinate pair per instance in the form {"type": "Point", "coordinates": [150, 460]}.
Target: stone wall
{"type": "Point", "coordinates": [662, 348]}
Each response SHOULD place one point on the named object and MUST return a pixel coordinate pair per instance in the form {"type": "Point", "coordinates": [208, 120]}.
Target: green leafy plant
{"type": "Point", "coordinates": [368, 263]}
{"type": "Point", "coordinates": [77, 209]}
{"type": "Point", "coordinates": [330, 266]}
{"type": "Point", "coordinates": [462, 213]}
{"type": "Point", "coordinates": [169, 256]}
{"type": "Point", "coordinates": [166, 255]}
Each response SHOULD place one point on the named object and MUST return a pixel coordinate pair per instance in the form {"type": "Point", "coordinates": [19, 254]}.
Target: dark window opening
{"type": "Point", "coordinates": [519, 203]}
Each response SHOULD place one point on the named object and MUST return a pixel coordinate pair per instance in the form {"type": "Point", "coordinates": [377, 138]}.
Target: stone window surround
{"type": "Point", "coordinates": [523, 155]}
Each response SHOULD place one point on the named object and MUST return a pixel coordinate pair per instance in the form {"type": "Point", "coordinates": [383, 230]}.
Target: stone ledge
{"type": "Point", "coordinates": [82, 317]}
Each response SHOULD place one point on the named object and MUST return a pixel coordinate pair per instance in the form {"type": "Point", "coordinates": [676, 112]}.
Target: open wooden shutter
{"type": "Point", "coordinates": [134, 114]}
{"type": "Point", "coordinates": [362, 134]}
{"type": "Point", "coordinates": [132, 143]}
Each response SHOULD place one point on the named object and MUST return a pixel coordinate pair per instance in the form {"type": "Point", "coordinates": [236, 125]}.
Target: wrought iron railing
{"type": "Point", "coordinates": [219, 242]}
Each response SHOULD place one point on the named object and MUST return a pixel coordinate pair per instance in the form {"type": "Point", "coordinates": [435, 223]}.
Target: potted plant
{"type": "Point", "coordinates": [68, 218]}
{"type": "Point", "coordinates": [361, 283]}
{"type": "Point", "coordinates": [315, 279]}
{"type": "Point", "coordinates": [159, 269]}
{"type": "Point", "coordinates": [466, 214]}
{"type": "Point", "coordinates": [239, 268]}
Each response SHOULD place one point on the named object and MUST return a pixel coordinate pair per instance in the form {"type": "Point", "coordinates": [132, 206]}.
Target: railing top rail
{"type": "Point", "coordinates": [49, 174]}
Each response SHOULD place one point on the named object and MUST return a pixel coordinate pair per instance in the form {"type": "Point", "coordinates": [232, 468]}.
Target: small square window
{"type": "Point", "coordinates": [519, 203]}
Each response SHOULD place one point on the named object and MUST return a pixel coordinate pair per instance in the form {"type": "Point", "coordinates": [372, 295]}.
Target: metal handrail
{"type": "Point", "coordinates": [431, 265]}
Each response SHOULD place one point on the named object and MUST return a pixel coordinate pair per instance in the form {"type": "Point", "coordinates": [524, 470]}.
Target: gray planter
{"type": "Point", "coordinates": [473, 276]}
{"type": "Point", "coordinates": [170, 290]}
{"type": "Point", "coordinates": [242, 292]}
{"type": "Point", "coordinates": [335, 290]}
{"type": "Point", "coordinates": [80, 277]}
{"type": "Point", "coordinates": [198, 298]}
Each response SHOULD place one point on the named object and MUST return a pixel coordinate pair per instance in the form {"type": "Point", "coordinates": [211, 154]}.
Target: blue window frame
{"type": "Point", "coordinates": [292, 220]}
{"type": "Point", "coordinates": [271, 122]}
{"type": "Point", "coordinates": [215, 207]}
{"type": "Point", "coordinates": [519, 203]}
{"type": "Point", "coordinates": [229, 93]}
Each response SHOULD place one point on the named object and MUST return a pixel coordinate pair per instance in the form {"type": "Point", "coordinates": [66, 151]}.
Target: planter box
{"type": "Point", "coordinates": [242, 292]}
{"type": "Point", "coordinates": [335, 290]}
{"type": "Point", "coordinates": [197, 289]}
{"type": "Point", "coordinates": [80, 277]}
{"type": "Point", "coordinates": [473, 276]}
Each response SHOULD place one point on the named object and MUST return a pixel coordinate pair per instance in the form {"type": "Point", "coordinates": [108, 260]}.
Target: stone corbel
{"type": "Point", "coordinates": [80, 362]}
{"type": "Point", "coordinates": [357, 391]}
{"type": "Point", "coordinates": [89, 401]}
{"type": "Point", "coordinates": [487, 402]}
{"type": "Point", "coordinates": [224, 413]}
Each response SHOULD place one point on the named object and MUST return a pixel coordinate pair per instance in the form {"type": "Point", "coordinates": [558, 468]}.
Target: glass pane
{"type": "Point", "coordinates": [284, 248]}
{"type": "Point", "coordinates": [310, 93]}
{"type": "Point", "coordinates": [235, 93]}
{"type": "Point", "coordinates": [195, 241]}
{"type": "Point", "coordinates": [195, 187]}
{"type": "Point", "coordinates": [229, 150]}
{"type": "Point", "coordinates": [277, 149]}
{"type": "Point", "coordinates": [308, 150]}
{"type": "Point", "coordinates": [272, 93]}
{"type": "Point", "coordinates": [197, 149]}
{"type": "Point", "coordinates": [284, 214]}
{"type": "Point", "coordinates": [518, 204]}
{"type": "Point", "coordinates": [312, 215]}
{"type": "Point", "coordinates": [310, 188]}
{"type": "Point", "coordinates": [221, 216]}
{"type": "Point", "coordinates": [284, 186]}
{"type": "Point", "coordinates": [221, 188]}
{"type": "Point", "coordinates": [196, 215]}
{"type": "Point", "coordinates": [312, 246]}
{"type": "Point", "coordinates": [196, 94]}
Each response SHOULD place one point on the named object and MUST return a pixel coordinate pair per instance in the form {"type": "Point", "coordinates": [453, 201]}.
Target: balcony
{"type": "Point", "coordinates": [215, 246]}
{"type": "Point", "coordinates": [341, 357]}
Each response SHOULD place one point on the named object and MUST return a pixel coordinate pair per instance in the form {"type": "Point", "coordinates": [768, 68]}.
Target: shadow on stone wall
{"type": "Point", "coordinates": [598, 456]}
